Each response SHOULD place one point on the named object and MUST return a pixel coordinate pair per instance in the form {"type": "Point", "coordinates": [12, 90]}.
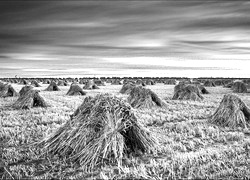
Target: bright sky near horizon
{"type": "Point", "coordinates": [122, 38]}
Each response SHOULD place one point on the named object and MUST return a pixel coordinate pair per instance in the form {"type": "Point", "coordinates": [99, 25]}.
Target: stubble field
{"type": "Point", "coordinates": [189, 146]}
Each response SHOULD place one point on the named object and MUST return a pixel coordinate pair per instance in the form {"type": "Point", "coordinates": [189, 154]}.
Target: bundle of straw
{"type": "Point", "coordinates": [140, 97]}
{"type": "Point", "coordinates": [203, 89]}
{"type": "Point", "coordinates": [52, 87]}
{"type": "Point", "coordinates": [232, 112]}
{"type": "Point", "coordinates": [209, 83]}
{"type": "Point", "coordinates": [127, 88]}
{"type": "Point", "coordinates": [75, 90]}
{"type": "Point", "coordinates": [29, 99]}
{"type": "Point", "coordinates": [46, 81]}
{"type": "Point", "coordinates": [239, 87]}
{"type": "Point", "coordinates": [90, 85]}
{"type": "Point", "coordinates": [25, 89]}
{"type": "Point", "coordinates": [62, 83]}
{"type": "Point", "coordinates": [1, 84]}
{"type": "Point", "coordinates": [187, 92]}
{"type": "Point", "coordinates": [99, 82]}
{"type": "Point", "coordinates": [116, 82]}
{"type": "Point", "coordinates": [24, 82]}
{"type": "Point", "coordinates": [149, 82]}
{"type": "Point", "coordinates": [102, 129]}
{"type": "Point", "coordinates": [35, 83]}
{"type": "Point", "coordinates": [7, 90]}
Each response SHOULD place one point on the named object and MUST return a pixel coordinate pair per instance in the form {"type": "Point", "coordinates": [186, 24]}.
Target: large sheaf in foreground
{"type": "Point", "coordinates": [102, 129]}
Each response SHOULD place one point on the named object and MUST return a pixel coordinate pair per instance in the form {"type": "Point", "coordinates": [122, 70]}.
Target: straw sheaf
{"type": "Point", "coordinates": [75, 90]}
{"type": "Point", "coordinates": [52, 87]}
{"type": "Point", "coordinates": [127, 88]}
{"type": "Point", "coordinates": [99, 83]}
{"type": "Point", "coordinates": [90, 85]}
{"type": "Point", "coordinates": [187, 92]}
{"type": "Point", "coordinates": [1, 84]}
{"type": "Point", "coordinates": [239, 87]}
{"type": "Point", "coordinates": [6, 90]}
{"type": "Point", "coordinates": [232, 112]}
{"type": "Point", "coordinates": [203, 90]}
{"type": "Point", "coordinates": [35, 83]}
{"type": "Point", "coordinates": [116, 82]}
{"type": "Point", "coordinates": [25, 89]}
{"type": "Point", "coordinates": [62, 83]}
{"type": "Point", "coordinates": [209, 84]}
{"type": "Point", "coordinates": [101, 130]}
{"type": "Point", "coordinates": [140, 97]}
{"type": "Point", "coordinates": [29, 99]}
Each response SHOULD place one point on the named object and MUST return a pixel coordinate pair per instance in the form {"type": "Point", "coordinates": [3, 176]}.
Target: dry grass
{"type": "Point", "coordinates": [189, 147]}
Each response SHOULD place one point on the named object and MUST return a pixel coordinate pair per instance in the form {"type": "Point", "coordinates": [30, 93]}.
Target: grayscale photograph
{"type": "Point", "coordinates": [124, 89]}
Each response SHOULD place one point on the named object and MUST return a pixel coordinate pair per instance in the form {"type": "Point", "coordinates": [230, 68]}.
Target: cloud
{"type": "Point", "coordinates": [83, 33]}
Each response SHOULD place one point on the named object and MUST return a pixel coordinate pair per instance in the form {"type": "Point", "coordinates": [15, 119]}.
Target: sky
{"type": "Point", "coordinates": [125, 38]}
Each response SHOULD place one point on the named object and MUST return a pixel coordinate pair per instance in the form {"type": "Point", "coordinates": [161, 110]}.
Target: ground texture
{"type": "Point", "coordinates": [189, 146]}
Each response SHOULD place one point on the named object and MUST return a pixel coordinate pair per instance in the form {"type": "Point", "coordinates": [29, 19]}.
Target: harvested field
{"type": "Point", "coordinates": [189, 145]}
